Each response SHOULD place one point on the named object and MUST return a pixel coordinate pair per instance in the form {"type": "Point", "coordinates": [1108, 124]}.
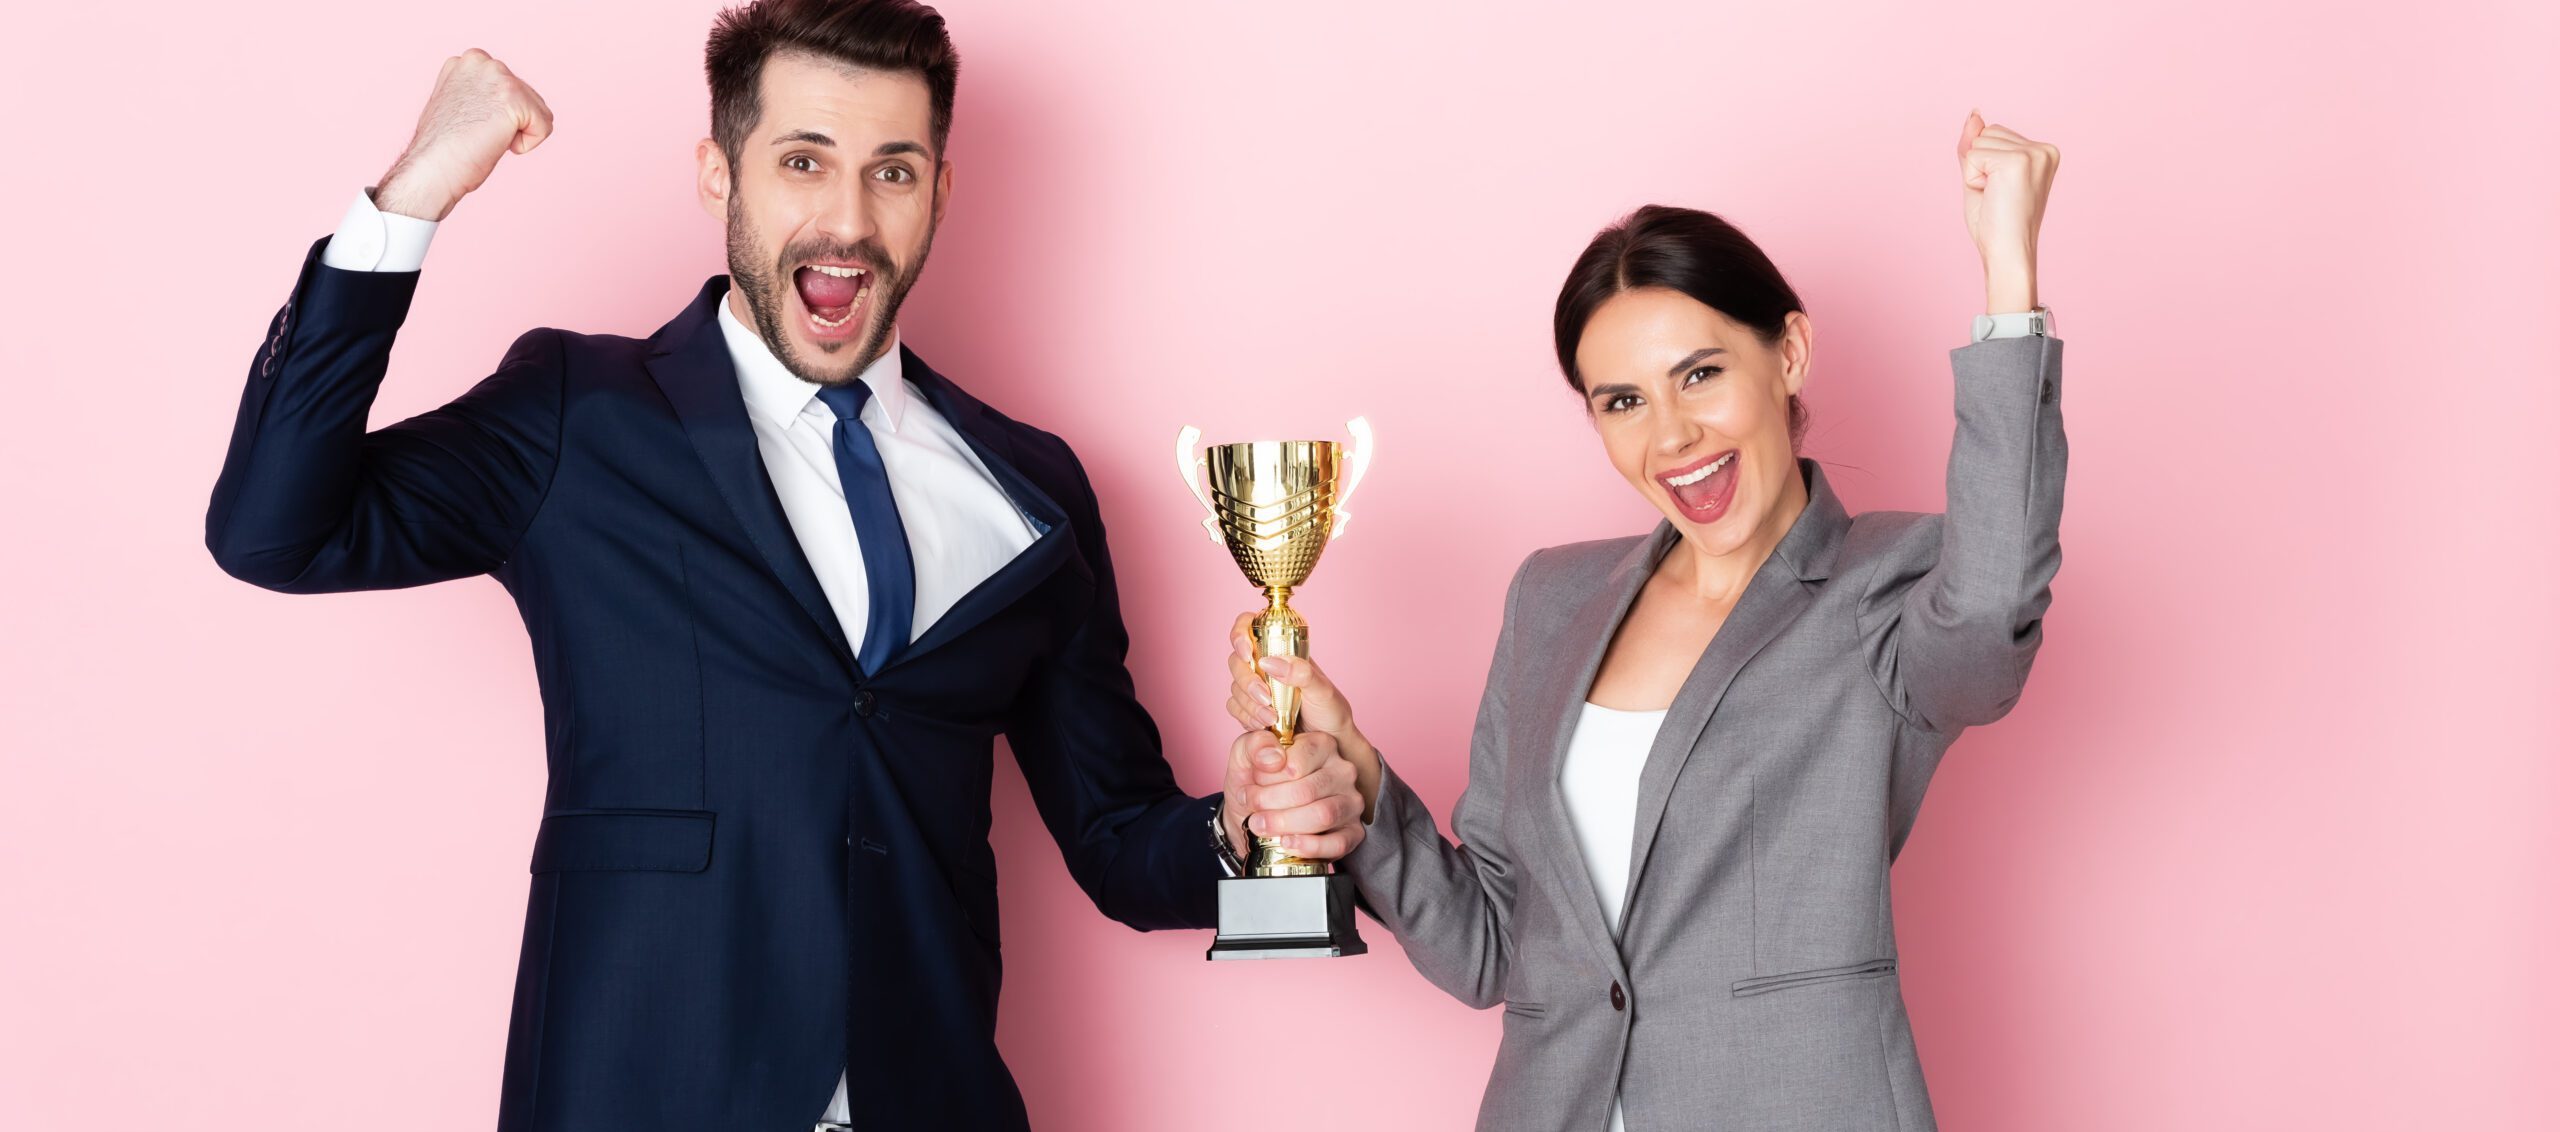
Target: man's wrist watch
{"type": "Point", "coordinates": [1227, 859]}
{"type": "Point", "coordinates": [2037, 323]}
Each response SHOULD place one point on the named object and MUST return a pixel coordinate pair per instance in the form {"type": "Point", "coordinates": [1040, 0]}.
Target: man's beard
{"type": "Point", "coordinates": [761, 278]}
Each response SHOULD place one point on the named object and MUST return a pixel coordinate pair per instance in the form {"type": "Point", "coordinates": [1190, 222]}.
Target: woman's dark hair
{"type": "Point", "coordinates": [1685, 250]}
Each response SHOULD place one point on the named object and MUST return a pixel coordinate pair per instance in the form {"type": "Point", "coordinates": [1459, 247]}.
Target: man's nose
{"type": "Point", "coordinates": [845, 216]}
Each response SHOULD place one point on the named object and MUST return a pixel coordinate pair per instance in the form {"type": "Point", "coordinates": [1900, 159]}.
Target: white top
{"type": "Point", "coordinates": [961, 527]}
{"type": "Point", "coordinates": [1602, 765]}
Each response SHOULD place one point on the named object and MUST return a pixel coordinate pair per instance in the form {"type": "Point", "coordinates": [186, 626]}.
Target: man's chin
{"type": "Point", "coordinates": [835, 361]}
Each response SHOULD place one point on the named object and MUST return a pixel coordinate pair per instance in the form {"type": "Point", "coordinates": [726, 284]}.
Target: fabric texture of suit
{"type": "Point", "coordinates": [1754, 984]}
{"type": "Point", "coordinates": [757, 864]}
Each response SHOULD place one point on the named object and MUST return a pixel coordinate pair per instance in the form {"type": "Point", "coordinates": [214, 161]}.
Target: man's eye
{"type": "Point", "coordinates": [1701, 374]}
{"type": "Point", "coordinates": [896, 175]}
{"type": "Point", "coordinates": [801, 162]}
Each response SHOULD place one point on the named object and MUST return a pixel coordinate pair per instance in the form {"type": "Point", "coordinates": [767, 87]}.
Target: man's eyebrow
{"type": "Point", "coordinates": [1695, 356]}
{"type": "Point", "coordinates": [812, 137]}
{"type": "Point", "coordinates": [888, 148]}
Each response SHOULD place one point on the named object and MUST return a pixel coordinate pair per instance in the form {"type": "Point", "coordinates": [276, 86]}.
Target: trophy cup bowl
{"type": "Point", "coordinates": [1275, 505]}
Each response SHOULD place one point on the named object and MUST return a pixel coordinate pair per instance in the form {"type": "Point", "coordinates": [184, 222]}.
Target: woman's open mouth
{"type": "Point", "coordinates": [1704, 489]}
{"type": "Point", "coordinates": [835, 295]}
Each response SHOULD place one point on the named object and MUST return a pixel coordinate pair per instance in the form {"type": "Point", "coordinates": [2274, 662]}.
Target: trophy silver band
{"type": "Point", "coordinates": [1275, 504]}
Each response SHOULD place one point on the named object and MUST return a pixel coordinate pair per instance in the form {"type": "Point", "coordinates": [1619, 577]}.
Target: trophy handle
{"type": "Point", "coordinates": [1187, 461]}
{"type": "Point", "coordinates": [1364, 447]}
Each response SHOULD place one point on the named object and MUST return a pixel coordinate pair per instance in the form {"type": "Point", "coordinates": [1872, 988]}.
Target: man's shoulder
{"type": "Point", "coordinates": [574, 346]}
{"type": "Point", "coordinates": [1040, 453]}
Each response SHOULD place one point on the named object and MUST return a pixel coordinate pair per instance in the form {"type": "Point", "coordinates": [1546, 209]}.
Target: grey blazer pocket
{"type": "Point", "coordinates": [1872, 968]}
{"type": "Point", "coordinates": [1524, 1009]}
{"type": "Point", "coordinates": [666, 841]}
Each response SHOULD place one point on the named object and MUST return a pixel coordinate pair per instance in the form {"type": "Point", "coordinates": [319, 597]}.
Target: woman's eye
{"type": "Point", "coordinates": [896, 175]}
{"type": "Point", "coordinates": [1619, 403]}
{"type": "Point", "coordinates": [1701, 374]}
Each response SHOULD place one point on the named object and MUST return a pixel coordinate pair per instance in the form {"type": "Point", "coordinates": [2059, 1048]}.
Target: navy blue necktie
{"type": "Point", "coordinates": [889, 568]}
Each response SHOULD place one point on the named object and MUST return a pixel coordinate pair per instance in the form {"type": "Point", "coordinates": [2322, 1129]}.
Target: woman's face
{"type": "Point", "coordinates": [1692, 408]}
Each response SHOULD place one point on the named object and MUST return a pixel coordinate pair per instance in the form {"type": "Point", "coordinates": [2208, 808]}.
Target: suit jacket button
{"type": "Point", "coordinates": [1617, 996]}
{"type": "Point", "coordinates": [863, 702]}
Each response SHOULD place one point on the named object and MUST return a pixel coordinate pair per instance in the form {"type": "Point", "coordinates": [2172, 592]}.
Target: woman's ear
{"type": "Point", "coordinates": [1795, 351]}
{"type": "Point", "coordinates": [711, 178]}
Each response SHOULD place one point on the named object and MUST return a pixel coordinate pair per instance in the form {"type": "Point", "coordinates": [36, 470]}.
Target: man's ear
{"type": "Point", "coordinates": [941, 191]}
{"type": "Point", "coordinates": [1795, 350]}
{"type": "Point", "coordinates": [711, 178]}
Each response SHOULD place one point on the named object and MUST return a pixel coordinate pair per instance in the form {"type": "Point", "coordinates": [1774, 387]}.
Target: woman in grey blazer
{"type": "Point", "coordinates": [1700, 748]}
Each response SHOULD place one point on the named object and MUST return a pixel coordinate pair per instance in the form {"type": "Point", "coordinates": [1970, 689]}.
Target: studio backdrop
{"type": "Point", "coordinates": [2269, 842]}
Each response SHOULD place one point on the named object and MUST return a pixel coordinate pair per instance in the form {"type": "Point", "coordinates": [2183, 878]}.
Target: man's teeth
{"type": "Point", "coordinates": [1702, 473]}
{"type": "Point", "coordinates": [855, 305]}
{"type": "Point", "coordinates": [838, 272]}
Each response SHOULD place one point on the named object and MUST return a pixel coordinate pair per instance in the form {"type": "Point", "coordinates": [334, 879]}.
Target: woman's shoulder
{"type": "Point", "coordinates": [1882, 543]}
{"type": "Point", "coordinates": [1575, 565]}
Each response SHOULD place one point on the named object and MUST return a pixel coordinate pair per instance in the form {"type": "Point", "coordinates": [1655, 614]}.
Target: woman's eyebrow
{"type": "Point", "coordinates": [1695, 356]}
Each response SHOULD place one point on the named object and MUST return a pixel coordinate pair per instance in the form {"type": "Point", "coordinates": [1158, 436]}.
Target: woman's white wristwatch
{"type": "Point", "coordinates": [2037, 322]}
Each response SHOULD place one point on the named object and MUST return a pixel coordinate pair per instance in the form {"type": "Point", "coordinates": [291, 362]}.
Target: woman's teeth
{"type": "Point", "coordinates": [1702, 473]}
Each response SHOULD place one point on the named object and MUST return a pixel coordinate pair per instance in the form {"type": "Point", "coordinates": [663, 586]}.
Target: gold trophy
{"type": "Point", "coordinates": [1274, 504]}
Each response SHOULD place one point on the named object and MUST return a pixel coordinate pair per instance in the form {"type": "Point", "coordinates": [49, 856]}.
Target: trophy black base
{"type": "Point", "coordinates": [1287, 918]}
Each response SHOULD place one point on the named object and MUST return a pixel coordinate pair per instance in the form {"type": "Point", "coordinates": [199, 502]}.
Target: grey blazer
{"type": "Point", "coordinates": [1754, 983]}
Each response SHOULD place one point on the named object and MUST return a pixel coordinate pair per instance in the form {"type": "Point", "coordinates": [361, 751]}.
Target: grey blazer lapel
{"type": "Point", "coordinates": [1777, 594]}
{"type": "Point", "coordinates": [1548, 729]}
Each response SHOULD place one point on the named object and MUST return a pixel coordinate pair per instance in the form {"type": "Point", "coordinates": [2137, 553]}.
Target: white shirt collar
{"type": "Point", "coordinates": [780, 396]}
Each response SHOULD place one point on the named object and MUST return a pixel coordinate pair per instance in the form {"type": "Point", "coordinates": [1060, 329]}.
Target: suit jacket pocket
{"type": "Point", "coordinates": [667, 841]}
{"type": "Point", "coordinates": [1871, 969]}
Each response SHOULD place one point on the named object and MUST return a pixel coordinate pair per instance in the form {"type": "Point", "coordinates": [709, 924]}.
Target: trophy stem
{"type": "Point", "coordinates": [1279, 631]}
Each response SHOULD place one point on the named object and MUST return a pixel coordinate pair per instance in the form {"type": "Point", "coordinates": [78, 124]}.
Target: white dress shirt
{"type": "Point", "coordinates": [961, 526]}
{"type": "Point", "coordinates": [1602, 764]}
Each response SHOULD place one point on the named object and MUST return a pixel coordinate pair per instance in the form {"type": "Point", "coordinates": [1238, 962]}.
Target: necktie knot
{"type": "Point", "coordinates": [846, 400]}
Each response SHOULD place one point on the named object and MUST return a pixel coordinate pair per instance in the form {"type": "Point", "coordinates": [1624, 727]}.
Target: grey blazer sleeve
{"type": "Point", "coordinates": [1950, 635]}
{"type": "Point", "coordinates": [1449, 905]}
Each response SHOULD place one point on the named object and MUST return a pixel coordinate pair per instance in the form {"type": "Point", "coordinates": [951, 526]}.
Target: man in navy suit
{"type": "Point", "coordinates": [785, 585]}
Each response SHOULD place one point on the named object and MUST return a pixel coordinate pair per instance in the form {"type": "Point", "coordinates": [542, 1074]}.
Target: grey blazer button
{"type": "Point", "coordinates": [1617, 996]}
{"type": "Point", "coordinates": [863, 703]}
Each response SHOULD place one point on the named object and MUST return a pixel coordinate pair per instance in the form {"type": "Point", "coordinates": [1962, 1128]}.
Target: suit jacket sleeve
{"type": "Point", "coordinates": [1133, 840]}
{"type": "Point", "coordinates": [1950, 635]}
{"type": "Point", "coordinates": [1449, 904]}
{"type": "Point", "coordinates": [308, 501]}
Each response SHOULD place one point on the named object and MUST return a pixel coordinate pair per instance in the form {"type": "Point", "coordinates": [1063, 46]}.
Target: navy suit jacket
{"type": "Point", "coordinates": [757, 864]}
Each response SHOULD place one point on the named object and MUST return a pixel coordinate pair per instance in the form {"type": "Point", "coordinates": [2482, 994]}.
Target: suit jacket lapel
{"type": "Point", "coordinates": [1551, 726]}
{"type": "Point", "coordinates": [1053, 542]}
{"type": "Point", "coordinates": [690, 363]}
{"type": "Point", "coordinates": [1782, 589]}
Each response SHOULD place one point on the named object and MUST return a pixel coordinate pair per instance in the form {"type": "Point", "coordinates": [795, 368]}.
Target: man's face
{"type": "Point", "coordinates": [831, 207]}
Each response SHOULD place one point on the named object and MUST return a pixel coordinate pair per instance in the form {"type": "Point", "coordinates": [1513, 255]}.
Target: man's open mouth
{"type": "Point", "coordinates": [1704, 488]}
{"type": "Point", "coordinates": [834, 294]}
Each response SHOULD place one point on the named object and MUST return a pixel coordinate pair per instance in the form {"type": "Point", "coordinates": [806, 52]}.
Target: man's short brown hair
{"type": "Point", "coordinates": [879, 35]}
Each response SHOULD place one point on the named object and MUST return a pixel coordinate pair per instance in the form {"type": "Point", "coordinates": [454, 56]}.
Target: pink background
{"type": "Point", "coordinates": [2268, 845]}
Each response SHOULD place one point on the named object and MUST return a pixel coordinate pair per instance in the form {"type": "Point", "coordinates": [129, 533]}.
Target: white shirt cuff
{"type": "Point", "coordinates": [369, 239]}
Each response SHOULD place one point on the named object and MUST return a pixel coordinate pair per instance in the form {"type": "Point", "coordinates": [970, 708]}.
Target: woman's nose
{"type": "Point", "coordinates": [1674, 434]}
